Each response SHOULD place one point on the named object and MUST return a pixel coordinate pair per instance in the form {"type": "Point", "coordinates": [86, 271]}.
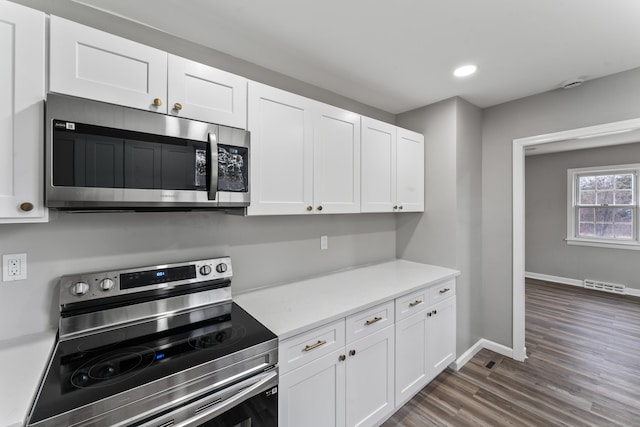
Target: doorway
{"type": "Point", "coordinates": [588, 137]}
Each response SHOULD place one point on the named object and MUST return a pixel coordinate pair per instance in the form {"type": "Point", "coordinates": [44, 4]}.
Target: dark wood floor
{"type": "Point", "coordinates": [583, 369]}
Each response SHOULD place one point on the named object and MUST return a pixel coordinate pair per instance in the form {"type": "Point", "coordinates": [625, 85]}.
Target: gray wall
{"type": "Point", "coordinates": [598, 101]}
{"type": "Point", "coordinates": [546, 219]}
{"type": "Point", "coordinates": [448, 232]}
{"type": "Point", "coordinates": [265, 250]}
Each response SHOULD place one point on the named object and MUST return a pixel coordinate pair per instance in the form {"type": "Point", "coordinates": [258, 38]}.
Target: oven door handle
{"type": "Point", "coordinates": [213, 160]}
{"type": "Point", "coordinates": [201, 411]}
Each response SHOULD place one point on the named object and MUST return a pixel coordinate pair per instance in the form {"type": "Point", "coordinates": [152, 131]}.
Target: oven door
{"type": "Point", "coordinates": [249, 403]}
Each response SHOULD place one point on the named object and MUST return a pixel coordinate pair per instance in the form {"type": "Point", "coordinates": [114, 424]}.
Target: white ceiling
{"type": "Point", "coordinates": [399, 55]}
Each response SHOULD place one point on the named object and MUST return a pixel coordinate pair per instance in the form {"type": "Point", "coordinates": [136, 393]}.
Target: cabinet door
{"type": "Point", "coordinates": [281, 156]}
{"type": "Point", "coordinates": [90, 63]}
{"type": "Point", "coordinates": [336, 157]}
{"type": "Point", "coordinates": [370, 378]}
{"type": "Point", "coordinates": [378, 166]}
{"type": "Point", "coordinates": [410, 171]}
{"type": "Point", "coordinates": [412, 366]}
{"type": "Point", "coordinates": [22, 78]}
{"type": "Point", "coordinates": [442, 335]}
{"type": "Point", "coordinates": [313, 395]}
{"type": "Point", "coordinates": [200, 92]}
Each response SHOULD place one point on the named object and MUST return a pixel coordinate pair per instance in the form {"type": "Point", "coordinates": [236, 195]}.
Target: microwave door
{"type": "Point", "coordinates": [213, 167]}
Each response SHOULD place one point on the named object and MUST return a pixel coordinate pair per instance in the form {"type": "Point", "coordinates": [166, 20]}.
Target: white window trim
{"type": "Point", "coordinates": [571, 238]}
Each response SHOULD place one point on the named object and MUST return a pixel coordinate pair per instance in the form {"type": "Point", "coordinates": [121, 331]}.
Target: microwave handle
{"type": "Point", "coordinates": [213, 159]}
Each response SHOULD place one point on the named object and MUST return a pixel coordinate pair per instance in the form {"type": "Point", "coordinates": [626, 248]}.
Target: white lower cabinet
{"type": "Point", "coordinates": [358, 370]}
{"type": "Point", "coordinates": [412, 364]}
{"type": "Point", "coordinates": [442, 336]}
{"type": "Point", "coordinates": [425, 341]}
{"type": "Point", "coordinates": [369, 379]}
{"type": "Point", "coordinates": [314, 395]}
{"type": "Point", "coordinates": [351, 386]}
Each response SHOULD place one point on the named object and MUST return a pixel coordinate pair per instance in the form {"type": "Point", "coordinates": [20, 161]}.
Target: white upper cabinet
{"type": "Point", "coordinates": [93, 64]}
{"type": "Point", "coordinates": [378, 166]}
{"type": "Point", "coordinates": [305, 155]}
{"type": "Point", "coordinates": [392, 168]}
{"type": "Point", "coordinates": [201, 92]}
{"type": "Point", "coordinates": [90, 63]}
{"type": "Point", "coordinates": [336, 165]}
{"type": "Point", "coordinates": [281, 155]}
{"type": "Point", "coordinates": [22, 91]}
{"type": "Point", "coordinates": [410, 171]}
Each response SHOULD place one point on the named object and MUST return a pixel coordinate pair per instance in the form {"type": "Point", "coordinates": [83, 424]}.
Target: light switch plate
{"type": "Point", "coordinates": [14, 267]}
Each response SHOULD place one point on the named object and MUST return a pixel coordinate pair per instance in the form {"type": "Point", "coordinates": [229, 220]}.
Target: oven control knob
{"type": "Point", "coordinates": [221, 268]}
{"type": "Point", "coordinates": [205, 270]}
{"type": "Point", "coordinates": [106, 284]}
{"type": "Point", "coordinates": [80, 288]}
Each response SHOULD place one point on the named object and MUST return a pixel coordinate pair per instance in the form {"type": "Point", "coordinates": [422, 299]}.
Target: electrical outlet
{"type": "Point", "coordinates": [14, 267]}
{"type": "Point", "coordinates": [324, 243]}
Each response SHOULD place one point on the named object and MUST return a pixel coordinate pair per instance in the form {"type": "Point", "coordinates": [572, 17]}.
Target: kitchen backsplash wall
{"type": "Point", "coordinates": [264, 251]}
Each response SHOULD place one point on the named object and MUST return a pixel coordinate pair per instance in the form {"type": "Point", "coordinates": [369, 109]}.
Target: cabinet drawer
{"type": "Point", "coordinates": [411, 304]}
{"type": "Point", "coordinates": [306, 347]}
{"type": "Point", "coordinates": [443, 290]}
{"type": "Point", "coordinates": [368, 321]}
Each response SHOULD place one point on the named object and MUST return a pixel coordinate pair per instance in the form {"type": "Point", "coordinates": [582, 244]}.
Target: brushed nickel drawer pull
{"type": "Point", "coordinates": [416, 302]}
{"type": "Point", "coordinates": [371, 322]}
{"type": "Point", "coordinates": [442, 291]}
{"type": "Point", "coordinates": [316, 345]}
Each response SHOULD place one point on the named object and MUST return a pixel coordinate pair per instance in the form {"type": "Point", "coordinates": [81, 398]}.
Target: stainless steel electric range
{"type": "Point", "coordinates": [158, 346]}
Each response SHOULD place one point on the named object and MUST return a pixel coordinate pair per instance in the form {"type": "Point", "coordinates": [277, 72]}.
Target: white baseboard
{"type": "Point", "coordinates": [572, 282]}
{"type": "Point", "coordinates": [555, 279]}
{"type": "Point", "coordinates": [474, 349]}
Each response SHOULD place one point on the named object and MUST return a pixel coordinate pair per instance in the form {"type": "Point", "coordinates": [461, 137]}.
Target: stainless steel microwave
{"type": "Point", "coordinates": [108, 157]}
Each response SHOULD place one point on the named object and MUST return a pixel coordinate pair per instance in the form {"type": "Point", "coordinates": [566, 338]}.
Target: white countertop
{"type": "Point", "coordinates": [22, 363]}
{"type": "Point", "coordinates": [292, 308]}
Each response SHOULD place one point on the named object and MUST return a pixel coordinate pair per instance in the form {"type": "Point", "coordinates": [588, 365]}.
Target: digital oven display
{"type": "Point", "coordinates": [153, 277]}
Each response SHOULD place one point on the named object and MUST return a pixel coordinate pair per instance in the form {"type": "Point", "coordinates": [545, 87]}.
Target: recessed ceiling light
{"type": "Point", "coordinates": [465, 70]}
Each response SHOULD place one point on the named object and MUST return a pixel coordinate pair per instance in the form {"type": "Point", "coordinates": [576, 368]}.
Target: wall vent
{"type": "Point", "coordinates": [603, 286]}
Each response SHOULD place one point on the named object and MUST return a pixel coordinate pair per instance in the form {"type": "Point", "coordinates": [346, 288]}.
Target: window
{"type": "Point", "coordinates": [603, 206]}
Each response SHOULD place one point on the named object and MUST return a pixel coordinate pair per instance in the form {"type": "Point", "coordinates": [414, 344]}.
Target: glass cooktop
{"type": "Point", "coordinates": [87, 369]}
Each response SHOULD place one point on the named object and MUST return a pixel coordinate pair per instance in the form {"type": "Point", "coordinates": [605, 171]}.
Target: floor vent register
{"type": "Point", "coordinates": [604, 286]}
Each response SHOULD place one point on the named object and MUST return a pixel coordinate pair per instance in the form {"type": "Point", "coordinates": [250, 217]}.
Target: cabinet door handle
{"type": "Point", "coordinates": [319, 208]}
{"type": "Point", "coordinates": [352, 352]}
{"type": "Point", "coordinates": [342, 358]}
{"type": "Point", "coordinates": [371, 322]}
{"type": "Point", "coordinates": [434, 312]}
{"type": "Point", "coordinates": [26, 206]}
{"type": "Point", "coordinates": [416, 302]}
{"type": "Point", "coordinates": [157, 102]}
{"type": "Point", "coordinates": [309, 208]}
{"type": "Point", "coordinates": [316, 345]}
{"type": "Point", "coordinates": [442, 291]}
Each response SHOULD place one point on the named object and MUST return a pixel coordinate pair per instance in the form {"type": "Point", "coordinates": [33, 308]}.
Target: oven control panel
{"type": "Point", "coordinates": [93, 286]}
